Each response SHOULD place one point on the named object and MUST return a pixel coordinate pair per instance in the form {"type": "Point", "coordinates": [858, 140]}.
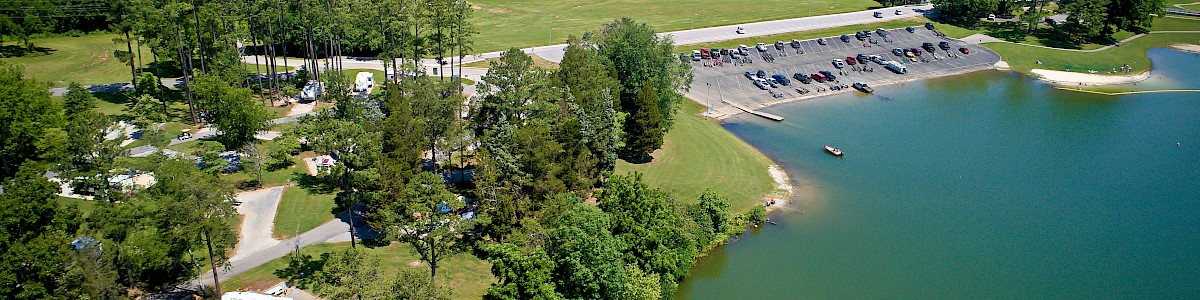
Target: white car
{"type": "Point", "coordinates": [838, 63]}
{"type": "Point", "coordinates": [898, 12]}
{"type": "Point", "coordinates": [740, 30]}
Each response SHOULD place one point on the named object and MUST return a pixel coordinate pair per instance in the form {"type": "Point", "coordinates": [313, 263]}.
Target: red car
{"type": "Point", "coordinates": [964, 50]}
{"type": "Point", "coordinates": [704, 53]}
{"type": "Point", "coordinates": [818, 77]}
{"type": "Point", "coordinates": [851, 60]}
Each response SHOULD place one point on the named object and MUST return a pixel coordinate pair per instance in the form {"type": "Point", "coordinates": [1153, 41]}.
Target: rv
{"type": "Point", "coordinates": [896, 67]}
{"type": "Point", "coordinates": [312, 90]}
{"type": "Point", "coordinates": [364, 81]}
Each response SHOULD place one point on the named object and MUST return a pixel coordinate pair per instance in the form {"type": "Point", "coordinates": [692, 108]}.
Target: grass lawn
{"type": "Point", "coordinates": [468, 277]}
{"type": "Point", "coordinates": [1024, 58]}
{"type": "Point", "coordinates": [300, 210]}
{"type": "Point", "coordinates": [949, 30]}
{"type": "Point", "coordinates": [262, 68]}
{"type": "Point", "coordinates": [1176, 24]}
{"type": "Point", "coordinates": [86, 60]}
{"type": "Point", "coordinates": [85, 206]}
{"type": "Point", "coordinates": [537, 61]}
{"type": "Point", "coordinates": [270, 178]}
{"type": "Point", "coordinates": [523, 23]}
{"type": "Point", "coordinates": [698, 154]}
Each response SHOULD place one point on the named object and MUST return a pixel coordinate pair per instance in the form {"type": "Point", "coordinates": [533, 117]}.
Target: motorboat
{"type": "Point", "coordinates": [834, 151]}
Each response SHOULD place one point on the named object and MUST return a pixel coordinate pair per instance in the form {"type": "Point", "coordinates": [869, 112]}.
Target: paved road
{"type": "Point", "coordinates": [326, 232]}
{"type": "Point", "coordinates": [259, 209]}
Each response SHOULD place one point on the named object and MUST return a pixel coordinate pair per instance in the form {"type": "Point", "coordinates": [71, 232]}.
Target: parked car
{"type": "Point", "coordinates": [828, 75]}
{"type": "Point", "coordinates": [846, 38]}
{"type": "Point", "coordinates": [879, 14]}
{"type": "Point", "coordinates": [898, 51]}
{"type": "Point", "coordinates": [734, 55]}
{"type": "Point", "coordinates": [862, 58]}
{"type": "Point", "coordinates": [724, 51]}
{"type": "Point", "coordinates": [803, 78]}
{"type": "Point", "coordinates": [761, 47]}
{"type": "Point", "coordinates": [778, 45]}
{"type": "Point", "coordinates": [704, 53]}
{"type": "Point", "coordinates": [822, 41]}
{"type": "Point", "coordinates": [740, 30]}
{"type": "Point", "coordinates": [877, 59]}
{"type": "Point", "coordinates": [696, 55]}
{"type": "Point", "coordinates": [910, 29]}
{"type": "Point", "coordinates": [964, 50]}
{"type": "Point", "coordinates": [796, 44]}
{"type": "Point", "coordinates": [838, 63]}
{"type": "Point", "coordinates": [749, 75]}
{"type": "Point", "coordinates": [915, 51]}
{"type": "Point", "coordinates": [760, 85]}
{"type": "Point", "coordinates": [772, 83]}
{"type": "Point", "coordinates": [928, 47]}
{"type": "Point", "coordinates": [881, 32]}
{"type": "Point", "coordinates": [899, 12]}
{"type": "Point", "coordinates": [781, 79]}
{"type": "Point", "coordinates": [944, 45]}
{"type": "Point", "coordinates": [743, 49]}
{"type": "Point", "coordinates": [929, 26]}
{"type": "Point", "coordinates": [851, 61]}
{"type": "Point", "coordinates": [761, 74]}
{"type": "Point", "coordinates": [818, 77]}
{"type": "Point", "coordinates": [716, 53]}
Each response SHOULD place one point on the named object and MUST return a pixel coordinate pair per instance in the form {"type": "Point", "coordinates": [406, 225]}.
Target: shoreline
{"type": "Point", "coordinates": [1063, 78]}
{"type": "Point", "coordinates": [1193, 48]}
{"type": "Point", "coordinates": [721, 115]}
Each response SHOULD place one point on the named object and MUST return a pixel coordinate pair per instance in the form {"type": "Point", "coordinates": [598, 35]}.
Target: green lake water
{"type": "Point", "coordinates": [985, 185]}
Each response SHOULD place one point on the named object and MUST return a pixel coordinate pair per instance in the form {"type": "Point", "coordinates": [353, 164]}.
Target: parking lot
{"type": "Point", "coordinates": [727, 81]}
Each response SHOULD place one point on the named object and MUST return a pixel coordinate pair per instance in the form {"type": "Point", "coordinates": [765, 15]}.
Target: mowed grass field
{"type": "Point", "coordinates": [467, 277]}
{"type": "Point", "coordinates": [86, 60]}
{"type": "Point", "coordinates": [1024, 58]}
{"type": "Point", "coordinates": [301, 210]}
{"type": "Point", "coordinates": [698, 154]}
{"type": "Point", "coordinates": [523, 23]}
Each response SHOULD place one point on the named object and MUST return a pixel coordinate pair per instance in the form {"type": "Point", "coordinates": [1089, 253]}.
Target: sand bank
{"type": "Point", "coordinates": [1085, 79]}
{"type": "Point", "coordinates": [1187, 47]}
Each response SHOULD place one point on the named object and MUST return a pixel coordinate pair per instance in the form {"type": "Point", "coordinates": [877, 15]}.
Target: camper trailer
{"type": "Point", "coordinates": [896, 67]}
{"type": "Point", "coordinates": [312, 91]}
{"type": "Point", "coordinates": [364, 81]}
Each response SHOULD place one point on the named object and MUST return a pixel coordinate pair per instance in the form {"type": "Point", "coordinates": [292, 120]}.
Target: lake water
{"type": "Point", "coordinates": [986, 185]}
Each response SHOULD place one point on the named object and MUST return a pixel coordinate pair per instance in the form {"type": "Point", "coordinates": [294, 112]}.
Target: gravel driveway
{"type": "Point", "coordinates": [258, 208]}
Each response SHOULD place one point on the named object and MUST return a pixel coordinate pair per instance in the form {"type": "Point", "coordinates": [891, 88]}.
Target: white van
{"type": "Point", "coordinates": [364, 81]}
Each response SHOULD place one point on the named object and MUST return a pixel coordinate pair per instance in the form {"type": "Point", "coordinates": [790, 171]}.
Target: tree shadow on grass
{"type": "Point", "coordinates": [314, 184]}
{"type": "Point", "coordinates": [637, 158]}
{"type": "Point", "coordinates": [21, 51]}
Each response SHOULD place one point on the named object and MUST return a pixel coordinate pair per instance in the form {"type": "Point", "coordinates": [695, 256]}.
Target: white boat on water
{"type": "Point", "coordinates": [834, 151]}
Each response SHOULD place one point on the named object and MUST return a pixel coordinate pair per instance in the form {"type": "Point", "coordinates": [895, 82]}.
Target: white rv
{"type": "Point", "coordinates": [312, 91]}
{"type": "Point", "coordinates": [364, 81]}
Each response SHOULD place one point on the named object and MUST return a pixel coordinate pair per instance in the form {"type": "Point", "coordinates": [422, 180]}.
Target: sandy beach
{"type": "Point", "coordinates": [1187, 47]}
{"type": "Point", "coordinates": [1085, 79]}
{"type": "Point", "coordinates": [783, 187]}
